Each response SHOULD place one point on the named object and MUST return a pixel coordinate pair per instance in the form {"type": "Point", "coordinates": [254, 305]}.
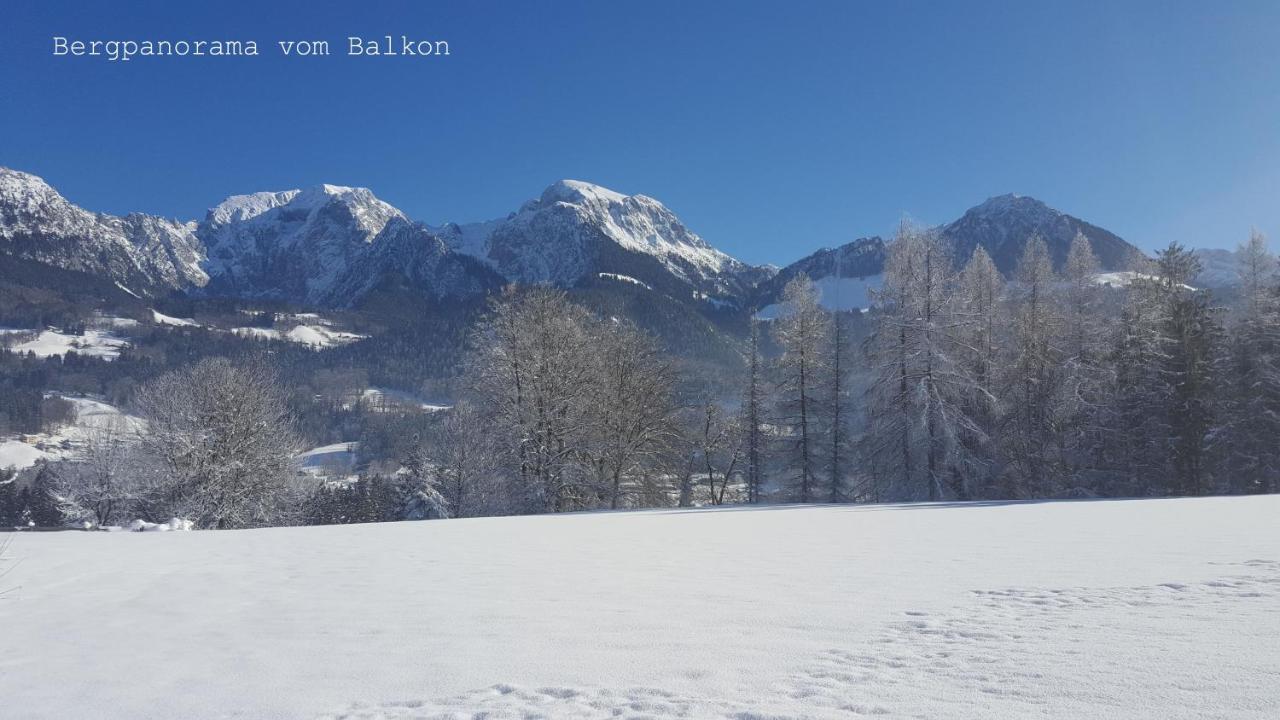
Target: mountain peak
{"type": "Point", "coordinates": [1012, 202]}
{"type": "Point", "coordinates": [1003, 224]}
{"type": "Point", "coordinates": [578, 191]}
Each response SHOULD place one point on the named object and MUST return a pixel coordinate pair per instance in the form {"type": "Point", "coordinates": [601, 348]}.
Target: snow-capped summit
{"type": "Point", "coordinates": [577, 191]}
{"type": "Point", "coordinates": [576, 230]}
{"type": "Point", "coordinates": [294, 244]}
{"type": "Point", "coordinates": [141, 252]}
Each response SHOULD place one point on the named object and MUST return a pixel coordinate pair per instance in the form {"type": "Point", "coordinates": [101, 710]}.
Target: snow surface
{"type": "Point", "coordinates": [162, 319]}
{"type": "Point", "coordinates": [334, 462]}
{"type": "Point", "coordinates": [98, 343]}
{"type": "Point", "coordinates": [1125, 278]}
{"type": "Point", "coordinates": [90, 416]}
{"type": "Point", "coordinates": [19, 455]}
{"type": "Point", "coordinates": [836, 293]}
{"type": "Point", "coordinates": [317, 336]}
{"type": "Point", "coordinates": [379, 397]}
{"type": "Point", "coordinates": [623, 278]}
{"type": "Point", "coordinates": [1105, 609]}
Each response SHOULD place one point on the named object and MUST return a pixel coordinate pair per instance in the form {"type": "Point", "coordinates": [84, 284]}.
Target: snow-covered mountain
{"type": "Point", "coordinates": [844, 275]}
{"type": "Point", "coordinates": [331, 245]}
{"type": "Point", "coordinates": [1002, 225]}
{"type": "Point", "coordinates": [575, 231]}
{"type": "Point", "coordinates": [1218, 269]}
{"type": "Point", "coordinates": [408, 256]}
{"type": "Point", "coordinates": [296, 244]}
{"type": "Point", "coordinates": [143, 253]}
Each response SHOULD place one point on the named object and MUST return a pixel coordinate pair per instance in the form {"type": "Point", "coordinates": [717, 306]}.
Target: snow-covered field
{"type": "Point", "coordinates": [1118, 609]}
{"type": "Point", "coordinates": [91, 416]}
{"type": "Point", "coordinates": [47, 343]}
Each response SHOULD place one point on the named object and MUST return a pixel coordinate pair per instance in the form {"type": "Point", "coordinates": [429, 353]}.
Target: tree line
{"type": "Point", "coordinates": [970, 385]}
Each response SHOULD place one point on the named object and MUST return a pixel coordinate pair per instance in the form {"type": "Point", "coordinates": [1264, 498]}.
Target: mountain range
{"type": "Point", "coordinates": [330, 246]}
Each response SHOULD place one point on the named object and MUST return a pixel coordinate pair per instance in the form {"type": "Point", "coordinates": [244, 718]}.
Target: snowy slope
{"type": "Point", "coordinates": [1103, 610]}
{"type": "Point", "coordinates": [295, 244]}
{"type": "Point", "coordinates": [576, 230]}
{"type": "Point", "coordinates": [844, 275]}
{"type": "Point", "coordinates": [91, 416]}
{"type": "Point", "coordinates": [47, 343]}
{"type": "Point", "coordinates": [835, 293]}
{"type": "Point", "coordinates": [140, 252]}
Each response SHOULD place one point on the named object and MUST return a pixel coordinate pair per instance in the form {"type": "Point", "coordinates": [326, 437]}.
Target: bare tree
{"type": "Point", "coordinates": [718, 441]}
{"type": "Point", "coordinates": [532, 371]}
{"type": "Point", "coordinates": [224, 444]}
{"type": "Point", "coordinates": [918, 398]}
{"type": "Point", "coordinates": [463, 459]}
{"type": "Point", "coordinates": [753, 416]}
{"type": "Point", "coordinates": [632, 417]}
{"type": "Point", "coordinates": [1033, 382]}
{"type": "Point", "coordinates": [803, 331]}
{"type": "Point", "coordinates": [980, 297]}
{"type": "Point", "coordinates": [106, 481]}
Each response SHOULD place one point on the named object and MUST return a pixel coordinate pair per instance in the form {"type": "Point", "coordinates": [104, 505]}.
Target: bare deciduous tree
{"type": "Point", "coordinates": [223, 441]}
{"type": "Point", "coordinates": [106, 481]}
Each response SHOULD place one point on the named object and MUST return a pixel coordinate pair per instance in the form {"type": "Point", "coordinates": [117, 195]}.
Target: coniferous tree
{"type": "Point", "coordinates": [836, 404]}
{"type": "Point", "coordinates": [1193, 343]}
{"type": "Point", "coordinates": [1032, 385]}
{"type": "Point", "coordinates": [1084, 371]}
{"type": "Point", "coordinates": [918, 397]}
{"type": "Point", "coordinates": [980, 303]}
{"type": "Point", "coordinates": [1250, 423]}
{"type": "Point", "coordinates": [803, 332]}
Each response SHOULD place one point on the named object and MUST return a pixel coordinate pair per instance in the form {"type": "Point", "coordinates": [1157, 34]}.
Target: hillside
{"type": "Point", "coordinates": [1120, 609]}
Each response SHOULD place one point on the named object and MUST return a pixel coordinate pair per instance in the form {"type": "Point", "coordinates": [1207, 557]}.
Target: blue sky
{"type": "Point", "coordinates": [771, 128]}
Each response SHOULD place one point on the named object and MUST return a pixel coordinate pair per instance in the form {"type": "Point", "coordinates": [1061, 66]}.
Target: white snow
{"type": "Point", "coordinates": [378, 398]}
{"type": "Point", "coordinates": [66, 442]}
{"type": "Point", "coordinates": [19, 455]}
{"type": "Point", "coordinates": [836, 294]}
{"type": "Point", "coordinates": [1102, 610]}
{"type": "Point", "coordinates": [98, 343]}
{"type": "Point", "coordinates": [623, 278]}
{"type": "Point", "coordinates": [257, 332]}
{"type": "Point", "coordinates": [1125, 278]}
{"type": "Point", "coordinates": [318, 336]}
{"type": "Point", "coordinates": [544, 240]}
{"type": "Point", "coordinates": [162, 319]}
{"type": "Point", "coordinates": [174, 525]}
{"type": "Point", "coordinates": [335, 462]}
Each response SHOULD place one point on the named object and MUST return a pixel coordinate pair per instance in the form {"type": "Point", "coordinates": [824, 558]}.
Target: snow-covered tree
{"type": "Point", "coordinates": [631, 413]}
{"type": "Point", "coordinates": [532, 372]}
{"type": "Point", "coordinates": [718, 445]}
{"type": "Point", "coordinates": [1194, 340]}
{"type": "Point", "coordinates": [837, 408]}
{"type": "Point", "coordinates": [753, 409]}
{"type": "Point", "coordinates": [919, 395]}
{"type": "Point", "coordinates": [457, 461]}
{"type": "Point", "coordinates": [1085, 370]}
{"type": "Point", "coordinates": [1033, 382]}
{"type": "Point", "coordinates": [106, 480]}
{"type": "Point", "coordinates": [224, 444]}
{"type": "Point", "coordinates": [980, 303]}
{"type": "Point", "coordinates": [803, 332]}
{"type": "Point", "coordinates": [1250, 422]}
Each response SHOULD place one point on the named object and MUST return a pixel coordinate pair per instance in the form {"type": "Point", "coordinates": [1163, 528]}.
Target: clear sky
{"type": "Point", "coordinates": [771, 128]}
